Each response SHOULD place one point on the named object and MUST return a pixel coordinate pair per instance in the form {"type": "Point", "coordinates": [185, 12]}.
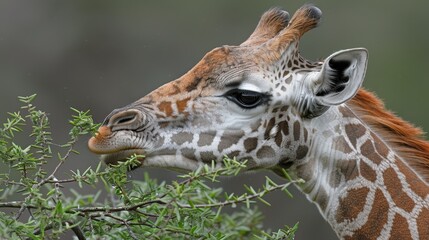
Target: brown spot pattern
{"type": "Point", "coordinates": [166, 108]}
{"type": "Point", "coordinates": [423, 223]}
{"type": "Point", "coordinates": [284, 127]}
{"type": "Point", "coordinates": [348, 168]}
{"type": "Point", "coordinates": [192, 85]}
{"type": "Point", "coordinates": [285, 73]}
{"type": "Point", "coordinates": [207, 156]}
{"type": "Point", "coordinates": [296, 130]}
{"type": "Point", "coordinates": [182, 104]}
{"type": "Point", "coordinates": [382, 149]}
{"type": "Point", "coordinates": [229, 139]}
{"type": "Point", "coordinates": [352, 204]}
{"type": "Point", "coordinates": [394, 187]}
{"type": "Point", "coordinates": [372, 228]}
{"type": "Point", "coordinates": [345, 111]}
{"type": "Point", "coordinates": [301, 152]}
{"type": "Point", "coordinates": [322, 198]}
{"type": "Point", "coordinates": [342, 145]}
{"type": "Point", "coordinates": [250, 164]}
{"type": "Point", "coordinates": [354, 131]}
{"type": "Point", "coordinates": [305, 171]}
{"type": "Point", "coordinates": [415, 183]}
{"type": "Point", "coordinates": [188, 153]}
{"type": "Point", "coordinates": [367, 172]}
{"type": "Point", "coordinates": [284, 108]}
{"type": "Point", "coordinates": [206, 138]}
{"type": "Point", "coordinates": [279, 138]}
{"type": "Point", "coordinates": [250, 144]}
{"type": "Point", "coordinates": [265, 152]}
{"type": "Point", "coordinates": [400, 228]}
{"type": "Point", "coordinates": [233, 154]}
{"type": "Point", "coordinates": [181, 138]}
{"type": "Point", "coordinates": [367, 149]}
{"type": "Point", "coordinates": [270, 126]}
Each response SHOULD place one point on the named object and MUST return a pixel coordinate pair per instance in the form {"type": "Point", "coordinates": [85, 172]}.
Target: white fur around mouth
{"type": "Point", "coordinates": [113, 158]}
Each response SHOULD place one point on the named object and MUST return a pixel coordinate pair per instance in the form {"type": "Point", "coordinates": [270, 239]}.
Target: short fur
{"type": "Point", "coordinates": [407, 140]}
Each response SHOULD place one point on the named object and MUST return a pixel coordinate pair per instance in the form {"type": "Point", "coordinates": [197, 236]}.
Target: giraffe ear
{"type": "Point", "coordinates": [341, 76]}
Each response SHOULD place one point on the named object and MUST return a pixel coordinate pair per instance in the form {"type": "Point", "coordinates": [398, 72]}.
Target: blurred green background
{"type": "Point", "coordinates": [101, 55]}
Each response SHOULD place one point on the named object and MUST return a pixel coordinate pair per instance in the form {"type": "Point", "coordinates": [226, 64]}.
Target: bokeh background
{"type": "Point", "coordinates": [100, 55]}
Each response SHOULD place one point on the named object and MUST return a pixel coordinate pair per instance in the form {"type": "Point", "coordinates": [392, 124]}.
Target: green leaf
{"type": "Point", "coordinates": [59, 209]}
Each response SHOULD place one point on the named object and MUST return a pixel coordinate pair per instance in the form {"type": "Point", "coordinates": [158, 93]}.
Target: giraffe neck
{"type": "Point", "coordinates": [360, 185]}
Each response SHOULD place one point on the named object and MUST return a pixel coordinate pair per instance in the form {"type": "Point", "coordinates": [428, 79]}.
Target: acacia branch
{"type": "Point", "coordinates": [52, 175]}
{"type": "Point", "coordinates": [240, 199]}
{"type": "Point", "coordinates": [136, 206]}
{"type": "Point", "coordinates": [19, 204]}
{"type": "Point", "coordinates": [70, 180]}
{"type": "Point", "coordinates": [124, 222]}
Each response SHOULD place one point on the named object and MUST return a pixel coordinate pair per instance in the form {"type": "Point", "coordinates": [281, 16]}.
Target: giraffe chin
{"type": "Point", "coordinates": [121, 156]}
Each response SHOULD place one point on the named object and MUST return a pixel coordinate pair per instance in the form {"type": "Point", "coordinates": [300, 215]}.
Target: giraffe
{"type": "Point", "coordinates": [366, 170]}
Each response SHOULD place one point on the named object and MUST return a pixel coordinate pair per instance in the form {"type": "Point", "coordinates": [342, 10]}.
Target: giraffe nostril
{"type": "Point", "coordinates": [125, 119]}
{"type": "Point", "coordinates": [129, 119]}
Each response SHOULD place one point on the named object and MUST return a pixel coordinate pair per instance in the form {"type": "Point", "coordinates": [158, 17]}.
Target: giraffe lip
{"type": "Point", "coordinates": [121, 156]}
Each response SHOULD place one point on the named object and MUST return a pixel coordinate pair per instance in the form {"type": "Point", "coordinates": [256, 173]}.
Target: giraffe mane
{"type": "Point", "coordinates": [407, 140]}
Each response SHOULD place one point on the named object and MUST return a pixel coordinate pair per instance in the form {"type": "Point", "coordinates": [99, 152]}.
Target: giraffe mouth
{"type": "Point", "coordinates": [122, 156]}
{"type": "Point", "coordinates": [103, 143]}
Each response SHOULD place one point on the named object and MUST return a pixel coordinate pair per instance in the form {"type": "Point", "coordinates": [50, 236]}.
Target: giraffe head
{"type": "Point", "coordinates": [249, 101]}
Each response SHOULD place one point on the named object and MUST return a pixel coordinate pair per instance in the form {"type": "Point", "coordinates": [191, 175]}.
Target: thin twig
{"type": "Point", "coordinates": [21, 208]}
{"type": "Point", "coordinates": [118, 209]}
{"type": "Point", "coordinates": [13, 204]}
{"type": "Point", "coordinates": [45, 180]}
{"type": "Point", "coordinates": [170, 215]}
{"type": "Point", "coordinates": [13, 183]}
{"type": "Point", "coordinates": [125, 222]}
{"type": "Point", "coordinates": [69, 151]}
{"type": "Point", "coordinates": [19, 204]}
{"type": "Point", "coordinates": [152, 226]}
{"type": "Point", "coordinates": [70, 180]}
{"type": "Point", "coordinates": [29, 212]}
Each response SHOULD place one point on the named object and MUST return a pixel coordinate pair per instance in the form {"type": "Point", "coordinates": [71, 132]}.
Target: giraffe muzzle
{"type": "Point", "coordinates": [111, 147]}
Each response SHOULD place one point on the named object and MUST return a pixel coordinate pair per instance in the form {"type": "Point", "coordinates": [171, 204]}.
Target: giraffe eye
{"type": "Point", "coordinates": [245, 98]}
